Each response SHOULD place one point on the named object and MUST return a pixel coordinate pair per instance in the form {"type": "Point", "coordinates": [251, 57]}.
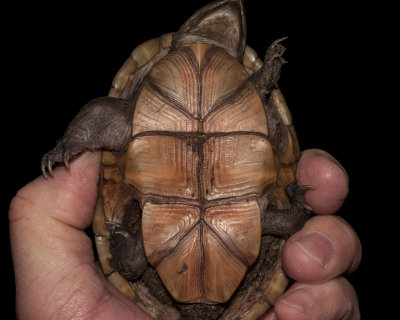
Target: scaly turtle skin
{"type": "Point", "coordinates": [197, 190]}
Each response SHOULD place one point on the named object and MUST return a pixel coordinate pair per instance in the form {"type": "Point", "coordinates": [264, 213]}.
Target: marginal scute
{"type": "Point", "coordinates": [121, 284]}
{"type": "Point", "coordinates": [104, 253]}
{"type": "Point", "coordinates": [153, 307]}
{"type": "Point", "coordinates": [122, 77]}
{"type": "Point", "coordinates": [277, 284]}
{"type": "Point", "coordinates": [146, 51]}
{"type": "Point", "coordinates": [295, 143]}
{"type": "Point", "coordinates": [292, 153]}
{"type": "Point", "coordinates": [139, 56]}
{"type": "Point", "coordinates": [111, 199]}
{"type": "Point", "coordinates": [257, 310]}
{"type": "Point", "coordinates": [98, 222]}
{"type": "Point", "coordinates": [112, 174]}
{"type": "Point", "coordinates": [281, 105]}
{"type": "Point", "coordinates": [251, 61]}
{"type": "Point", "coordinates": [108, 158]}
{"type": "Point", "coordinates": [166, 40]}
{"type": "Point", "coordinates": [286, 176]}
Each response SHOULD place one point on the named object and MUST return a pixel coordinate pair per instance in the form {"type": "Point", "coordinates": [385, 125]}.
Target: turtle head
{"type": "Point", "coordinates": [221, 23]}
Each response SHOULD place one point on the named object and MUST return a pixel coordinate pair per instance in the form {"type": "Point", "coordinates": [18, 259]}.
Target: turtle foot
{"type": "Point", "coordinates": [285, 222]}
{"type": "Point", "coordinates": [127, 251]}
{"type": "Point", "coordinates": [266, 78]}
{"type": "Point", "coordinates": [103, 123]}
{"type": "Point", "coordinates": [60, 154]}
{"type": "Point", "coordinates": [296, 194]}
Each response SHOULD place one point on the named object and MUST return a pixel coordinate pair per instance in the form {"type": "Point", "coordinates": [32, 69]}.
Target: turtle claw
{"type": "Point", "coordinates": [60, 154]}
{"type": "Point", "coordinates": [296, 192]}
{"type": "Point", "coordinates": [44, 173]}
{"type": "Point", "coordinates": [296, 195]}
{"type": "Point", "coordinates": [276, 50]}
{"type": "Point", "coordinates": [118, 228]}
{"type": "Point", "coordinates": [66, 159]}
{"type": "Point", "coordinates": [303, 189]}
{"type": "Point", "coordinates": [49, 160]}
{"type": "Point", "coordinates": [50, 167]}
{"type": "Point", "coordinates": [47, 165]}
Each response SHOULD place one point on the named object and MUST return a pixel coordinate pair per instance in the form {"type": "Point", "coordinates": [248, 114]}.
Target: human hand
{"type": "Point", "coordinates": [57, 278]}
{"type": "Point", "coordinates": [55, 271]}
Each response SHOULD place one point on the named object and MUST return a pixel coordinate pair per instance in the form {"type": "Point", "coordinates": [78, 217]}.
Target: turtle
{"type": "Point", "coordinates": [197, 191]}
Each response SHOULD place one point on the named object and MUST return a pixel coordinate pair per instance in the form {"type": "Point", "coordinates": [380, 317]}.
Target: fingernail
{"type": "Point", "coordinates": [316, 245]}
{"type": "Point", "coordinates": [301, 298]}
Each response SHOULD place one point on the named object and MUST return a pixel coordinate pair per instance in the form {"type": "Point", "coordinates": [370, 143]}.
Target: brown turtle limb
{"type": "Point", "coordinates": [285, 222]}
{"type": "Point", "coordinates": [127, 251]}
{"type": "Point", "coordinates": [266, 78]}
{"type": "Point", "coordinates": [103, 123]}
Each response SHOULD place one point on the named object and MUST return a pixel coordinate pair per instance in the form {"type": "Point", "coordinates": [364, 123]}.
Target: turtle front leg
{"type": "Point", "coordinates": [266, 78]}
{"type": "Point", "coordinates": [285, 222]}
{"type": "Point", "coordinates": [103, 123]}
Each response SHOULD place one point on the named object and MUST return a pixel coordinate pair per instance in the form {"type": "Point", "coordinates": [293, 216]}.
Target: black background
{"type": "Point", "coordinates": [57, 57]}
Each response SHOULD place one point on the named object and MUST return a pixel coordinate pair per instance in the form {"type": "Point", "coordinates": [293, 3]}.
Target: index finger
{"type": "Point", "coordinates": [321, 170]}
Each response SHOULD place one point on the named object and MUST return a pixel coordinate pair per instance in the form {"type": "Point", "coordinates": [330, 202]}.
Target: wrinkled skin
{"type": "Point", "coordinates": [57, 277]}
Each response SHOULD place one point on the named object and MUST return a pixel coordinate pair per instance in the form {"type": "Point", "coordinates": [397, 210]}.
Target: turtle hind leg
{"type": "Point", "coordinates": [285, 222]}
{"type": "Point", "coordinates": [103, 123]}
{"type": "Point", "coordinates": [127, 251]}
{"type": "Point", "coordinates": [126, 245]}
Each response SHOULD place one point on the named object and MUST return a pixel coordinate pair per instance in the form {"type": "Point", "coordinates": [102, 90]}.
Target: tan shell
{"type": "Point", "coordinates": [163, 168]}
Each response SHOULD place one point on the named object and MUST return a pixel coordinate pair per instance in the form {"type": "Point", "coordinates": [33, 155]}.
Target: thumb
{"type": "Point", "coordinates": [53, 258]}
{"type": "Point", "coordinates": [47, 218]}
